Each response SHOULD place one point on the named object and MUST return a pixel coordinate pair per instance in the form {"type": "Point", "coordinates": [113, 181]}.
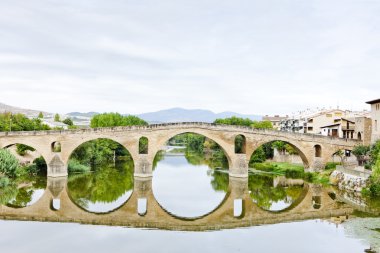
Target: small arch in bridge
{"type": "Point", "coordinates": [56, 147]}
{"type": "Point", "coordinates": [240, 144]}
{"type": "Point", "coordinates": [238, 208]}
{"type": "Point", "coordinates": [143, 145]}
{"type": "Point", "coordinates": [317, 202]}
{"type": "Point", "coordinates": [56, 204]}
{"type": "Point", "coordinates": [142, 206]}
{"type": "Point", "coordinates": [318, 150]}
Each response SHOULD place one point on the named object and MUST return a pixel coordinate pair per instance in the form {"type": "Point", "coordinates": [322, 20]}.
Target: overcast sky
{"type": "Point", "coordinates": [248, 56]}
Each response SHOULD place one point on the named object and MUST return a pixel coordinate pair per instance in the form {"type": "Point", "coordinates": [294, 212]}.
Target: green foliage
{"type": "Point", "coordinates": [19, 122]}
{"type": "Point", "coordinates": [116, 119]}
{"type": "Point", "coordinates": [262, 124]}
{"type": "Point", "coordinates": [25, 190]}
{"type": "Point", "coordinates": [264, 194]}
{"type": "Point", "coordinates": [4, 181]}
{"type": "Point", "coordinates": [99, 151]}
{"type": "Point", "coordinates": [239, 144]}
{"type": "Point", "coordinates": [290, 149]}
{"type": "Point", "coordinates": [105, 185]}
{"type": "Point", "coordinates": [22, 149]}
{"type": "Point", "coordinates": [375, 152]}
{"type": "Point", "coordinates": [68, 121]}
{"type": "Point", "coordinates": [236, 121]}
{"type": "Point", "coordinates": [258, 156]}
{"type": "Point", "coordinates": [76, 167]}
{"type": "Point", "coordinates": [57, 118]}
{"type": "Point", "coordinates": [8, 163]}
{"type": "Point", "coordinates": [280, 146]}
{"type": "Point", "coordinates": [40, 115]}
{"type": "Point", "coordinates": [361, 150]}
{"type": "Point", "coordinates": [331, 165]}
{"type": "Point", "coordinates": [143, 145]}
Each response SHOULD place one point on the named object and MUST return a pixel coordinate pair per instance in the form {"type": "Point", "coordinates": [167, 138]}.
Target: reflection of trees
{"type": "Point", "coordinates": [265, 194]}
{"type": "Point", "coordinates": [159, 157]}
{"type": "Point", "coordinates": [213, 159]}
{"type": "Point", "coordinates": [220, 180]}
{"type": "Point", "coordinates": [20, 192]}
{"type": "Point", "coordinates": [106, 184]}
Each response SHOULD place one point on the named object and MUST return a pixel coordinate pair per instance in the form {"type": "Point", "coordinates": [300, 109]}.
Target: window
{"type": "Point", "coordinates": [329, 115]}
{"type": "Point", "coordinates": [338, 114]}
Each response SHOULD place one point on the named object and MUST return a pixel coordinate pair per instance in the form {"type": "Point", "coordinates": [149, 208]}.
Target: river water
{"type": "Point", "coordinates": [190, 207]}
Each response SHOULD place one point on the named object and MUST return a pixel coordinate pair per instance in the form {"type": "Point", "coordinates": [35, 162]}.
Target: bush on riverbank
{"type": "Point", "coordinates": [4, 181]}
{"type": "Point", "coordinates": [76, 167]}
{"type": "Point", "coordinates": [8, 163]}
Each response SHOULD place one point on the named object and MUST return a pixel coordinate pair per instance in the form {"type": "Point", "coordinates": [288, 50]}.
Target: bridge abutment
{"type": "Point", "coordinates": [238, 166]}
{"type": "Point", "coordinates": [56, 167]}
{"type": "Point", "coordinates": [143, 166]}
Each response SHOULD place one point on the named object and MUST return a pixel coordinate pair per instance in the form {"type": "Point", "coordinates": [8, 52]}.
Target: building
{"type": "Point", "coordinates": [275, 120]}
{"type": "Point", "coordinates": [375, 116]}
{"type": "Point", "coordinates": [312, 122]}
{"type": "Point", "coordinates": [342, 128]}
{"type": "Point", "coordinates": [363, 129]}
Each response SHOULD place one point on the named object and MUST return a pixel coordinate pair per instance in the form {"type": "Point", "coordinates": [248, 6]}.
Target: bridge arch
{"type": "Point", "coordinates": [68, 150]}
{"type": "Point", "coordinates": [223, 144]}
{"type": "Point", "coordinates": [305, 159]}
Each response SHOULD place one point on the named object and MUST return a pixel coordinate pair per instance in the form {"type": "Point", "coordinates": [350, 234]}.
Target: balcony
{"type": "Point", "coordinates": [349, 128]}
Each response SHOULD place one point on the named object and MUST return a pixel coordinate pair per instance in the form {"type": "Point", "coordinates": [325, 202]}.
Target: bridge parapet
{"type": "Point", "coordinates": [211, 126]}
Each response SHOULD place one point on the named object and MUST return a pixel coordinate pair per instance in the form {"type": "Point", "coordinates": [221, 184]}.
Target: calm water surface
{"type": "Point", "coordinates": [183, 188]}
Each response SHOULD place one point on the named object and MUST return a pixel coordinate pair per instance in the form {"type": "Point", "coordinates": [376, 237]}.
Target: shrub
{"type": "Point", "coordinates": [76, 167]}
{"type": "Point", "coordinates": [4, 182]}
{"type": "Point", "coordinates": [294, 174]}
{"type": "Point", "coordinates": [331, 165]}
{"type": "Point", "coordinates": [8, 163]}
{"type": "Point", "coordinates": [309, 176]}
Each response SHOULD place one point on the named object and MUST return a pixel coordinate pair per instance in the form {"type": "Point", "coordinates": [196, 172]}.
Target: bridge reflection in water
{"type": "Point", "coordinates": [142, 210]}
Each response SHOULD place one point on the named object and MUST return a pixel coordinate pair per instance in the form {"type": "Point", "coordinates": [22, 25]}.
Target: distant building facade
{"type": "Point", "coordinates": [375, 116]}
{"type": "Point", "coordinates": [333, 122]}
{"type": "Point", "coordinates": [275, 120]}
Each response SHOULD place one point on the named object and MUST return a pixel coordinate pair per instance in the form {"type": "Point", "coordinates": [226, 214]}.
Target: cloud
{"type": "Point", "coordinates": [265, 57]}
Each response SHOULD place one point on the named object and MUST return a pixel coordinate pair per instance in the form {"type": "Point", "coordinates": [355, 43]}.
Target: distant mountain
{"type": "Point", "coordinates": [27, 112]}
{"type": "Point", "coordinates": [163, 116]}
{"type": "Point", "coordinates": [82, 114]}
{"type": "Point", "coordinates": [190, 115]}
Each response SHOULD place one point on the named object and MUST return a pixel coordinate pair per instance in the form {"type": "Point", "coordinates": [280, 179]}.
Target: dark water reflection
{"type": "Point", "coordinates": [23, 192]}
{"type": "Point", "coordinates": [274, 193]}
{"type": "Point", "coordinates": [103, 190]}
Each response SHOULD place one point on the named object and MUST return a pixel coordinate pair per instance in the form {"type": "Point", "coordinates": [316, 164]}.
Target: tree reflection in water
{"type": "Point", "coordinates": [270, 197]}
{"type": "Point", "coordinates": [106, 184]}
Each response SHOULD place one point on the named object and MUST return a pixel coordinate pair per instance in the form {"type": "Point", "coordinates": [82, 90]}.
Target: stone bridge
{"type": "Point", "coordinates": [236, 210]}
{"type": "Point", "coordinates": [315, 150]}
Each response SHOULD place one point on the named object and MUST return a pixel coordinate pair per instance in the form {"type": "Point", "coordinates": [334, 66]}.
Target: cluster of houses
{"type": "Point", "coordinates": [360, 125]}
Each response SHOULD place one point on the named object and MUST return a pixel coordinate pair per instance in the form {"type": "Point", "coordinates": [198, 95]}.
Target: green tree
{"type": "Point", "coordinates": [280, 146]}
{"type": "Point", "coordinates": [8, 163]}
{"type": "Point", "coordinates": [235, 121]}
{"type": "Point", "coordinates": [22, 149]}
{"type": "Point", "coordinates": [19, 122]}
{"type": "Point", "coordinates": [262, 124]}
{"type": "Point", "coordinates": [40, 115]}
{"type": "Point", "coordinates": [116, 119]}
{"type": "Point", "coordinates": [57, 118]}
{"type": "Point", "coordinates": [361, 152]}
{"type": "Point", "coordinates": [68, 122]}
